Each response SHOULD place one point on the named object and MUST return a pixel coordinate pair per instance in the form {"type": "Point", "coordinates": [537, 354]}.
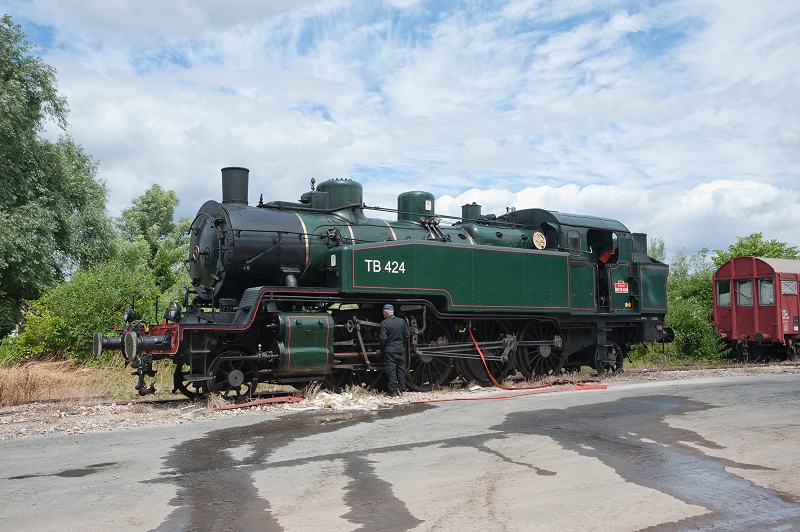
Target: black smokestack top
{"type": "Point", "coordinates": [234, 184]}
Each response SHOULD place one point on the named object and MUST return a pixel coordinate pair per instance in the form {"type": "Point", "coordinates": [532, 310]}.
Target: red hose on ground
{"type": "Point", "coordinates": [509, 396]}
{"type": "Point", "coordinates": [576, 385]}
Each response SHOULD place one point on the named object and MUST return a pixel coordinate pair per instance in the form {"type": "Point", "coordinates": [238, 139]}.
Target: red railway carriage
{"type": "Point", "coordinates": [757, 307]}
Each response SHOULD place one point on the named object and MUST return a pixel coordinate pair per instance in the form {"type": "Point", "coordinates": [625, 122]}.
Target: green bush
{"type": "Point", "coordinates": [148, 264]}
{"type": "Point", "coordinates": [695, 337]}
{"type": "Point", "coordinates": [690, 308]}
{"type": "Point", "coordinates": [63, 319]}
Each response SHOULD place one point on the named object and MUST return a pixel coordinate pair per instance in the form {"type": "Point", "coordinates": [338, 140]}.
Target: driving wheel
{"type": "Point", "coordinates": [233, 378]}
{"type": "Point", "coordinates": [472, 369]}
{"type": "Point", "coordinates": [426, 372]}
{"type": "Point", "coordinates": [535, 361]}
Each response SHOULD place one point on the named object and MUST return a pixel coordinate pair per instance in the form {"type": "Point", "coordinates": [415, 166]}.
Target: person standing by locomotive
{"type": "Point", "coordinates": [394, 337]}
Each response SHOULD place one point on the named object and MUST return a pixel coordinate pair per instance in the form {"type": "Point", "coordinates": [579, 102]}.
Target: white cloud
{"type": "Point", "coordinates": [151, 20]}
{"type": "Point", "coordinates": [708, 214]}
{"type": "Point", "coordinates": [402, 4]}
{"type": "Point", "coordinates": [682, 115]}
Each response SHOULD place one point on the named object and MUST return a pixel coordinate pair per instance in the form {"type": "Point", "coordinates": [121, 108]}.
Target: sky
{"type": "Point", "coordinates": [680, 119]}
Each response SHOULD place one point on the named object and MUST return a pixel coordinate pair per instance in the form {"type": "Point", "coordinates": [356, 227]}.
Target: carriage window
{"type": "Point", "coordinates": [723, 293]}
{"type": "Point", "coordinates": [766, 292]}
{"type": "Point", "coordinates": [574, 242]}
{"type": "Point", "coordinates": [789, 288]}
{"type": "Point", "coordinates": [744, 290]}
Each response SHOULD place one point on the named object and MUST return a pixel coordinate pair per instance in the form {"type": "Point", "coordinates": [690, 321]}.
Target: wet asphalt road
{"type": "Point", "coordinates": [713, 454]}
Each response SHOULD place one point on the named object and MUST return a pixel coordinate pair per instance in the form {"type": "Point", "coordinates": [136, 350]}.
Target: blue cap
{"type": "Point", "coordinates": [388, 307]}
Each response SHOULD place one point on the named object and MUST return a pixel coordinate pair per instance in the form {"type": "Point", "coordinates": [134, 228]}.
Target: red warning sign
{"type": "Point", "coordinates": [620, 287]}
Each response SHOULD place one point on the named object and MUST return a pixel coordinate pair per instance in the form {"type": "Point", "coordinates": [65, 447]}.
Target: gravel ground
{"type": "Point", "coordinates": [52, 420]}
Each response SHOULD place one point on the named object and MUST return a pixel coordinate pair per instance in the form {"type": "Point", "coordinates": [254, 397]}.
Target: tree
{"type": "Point", "coordinates": [150, 217]}
{"type": "Point", "coordinates": [657, 250]}
{"type": "Point", "coordinates": [148, 266]}
{"type": "Point", "coordinates": [755, 246]}
{"type": "Point", "coordinates": [152, 236]}
{"type": "Point", "coordinates": [52, 210]}
{"type": "Point", "coordinates": [690, 277]}
{"type": "Point", "coordinates": [689, 300]}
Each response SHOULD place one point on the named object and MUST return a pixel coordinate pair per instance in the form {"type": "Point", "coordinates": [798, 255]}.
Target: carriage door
{"type": "Point", "coordinates": [790, 311]}
{"type": "Point", "coordinates": [767, 317]}
{"type": "Point", "coordinates": [722, 308]}
{"type": "Point", "coordinates": [744, 308]}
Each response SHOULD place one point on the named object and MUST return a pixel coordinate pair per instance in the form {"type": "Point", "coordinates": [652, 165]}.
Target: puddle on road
{"type": "Point", "coordinates": [631, 436]}
{"type": "Point", "coordinates": [70, 473]}
{"type": "Point", "coordinates": [216, 491]}
{"type": "Point", "coordinates": [216, 487]}
{"type": "Point", "coordinates": [382, 506]}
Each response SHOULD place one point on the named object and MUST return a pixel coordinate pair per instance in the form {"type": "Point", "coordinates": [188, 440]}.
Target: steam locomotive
{"type": "Point", "coordinates": [292, 292]}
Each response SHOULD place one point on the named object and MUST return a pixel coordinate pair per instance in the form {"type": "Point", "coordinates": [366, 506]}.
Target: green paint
{"type": "Point", "coordinates": [305, 343]}
{"type": "Point", "coordinates": [653, 279]}
{"type": "Point", "coordinates": [621, 287]}
{"type": "Point", "coordinates": [466, 278]}
{"type": "Point", "coordinates": [582, 286]}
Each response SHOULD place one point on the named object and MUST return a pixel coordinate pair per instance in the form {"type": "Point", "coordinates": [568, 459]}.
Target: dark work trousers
{"type": "Point", "coordinates": [395, 366]}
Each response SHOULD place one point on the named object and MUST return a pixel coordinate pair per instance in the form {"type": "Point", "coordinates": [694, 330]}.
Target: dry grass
{"type": "Point", "coordinates": [63, 382]}
{"type": "Point", "coordinates": [53, 381]}
{"type": "Point", "coordinates": [215, 400]}
{"type": "Point", "coordinates": [310, 392]}
{"type": "Point", "coordinates": [60, 381]}
{"type": "Point", "coordinates": [359, 392]}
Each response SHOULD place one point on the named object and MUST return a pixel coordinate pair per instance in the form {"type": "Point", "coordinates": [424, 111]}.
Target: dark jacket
{"type": "Point", "coordinates": [394, 334]}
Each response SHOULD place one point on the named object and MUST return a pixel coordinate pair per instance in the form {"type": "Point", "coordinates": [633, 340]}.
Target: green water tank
{"type": "Point", "coordinates": [342, 192]}
{"type": "Point", "coordinates": [413, 205]}
{"type": "Point", "coordinates": [470, 212]}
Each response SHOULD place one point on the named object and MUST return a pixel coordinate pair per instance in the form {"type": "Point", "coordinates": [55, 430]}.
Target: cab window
{"type": "Point", "coordinates": [723, 293]}
{"type": "Point", "coordinates": [766, 292]}
{"type": "Point", "coordinates": [744, 293]}
{"type": "Point", "coordinates": [574, 242]}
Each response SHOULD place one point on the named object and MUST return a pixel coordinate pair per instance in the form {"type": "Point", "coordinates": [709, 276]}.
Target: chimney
{"type": "Point", "coordinates": [234, 184]}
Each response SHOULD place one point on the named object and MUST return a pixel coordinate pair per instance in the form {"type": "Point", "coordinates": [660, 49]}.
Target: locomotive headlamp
{"type": "Point", "coordinates": [128, 315]}
{"type": "Point", "coordinates": [173, 312]}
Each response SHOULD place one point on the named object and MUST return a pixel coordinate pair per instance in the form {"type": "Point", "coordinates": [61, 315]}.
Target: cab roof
{"type": "Point", "coordinates": [535, 218]}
